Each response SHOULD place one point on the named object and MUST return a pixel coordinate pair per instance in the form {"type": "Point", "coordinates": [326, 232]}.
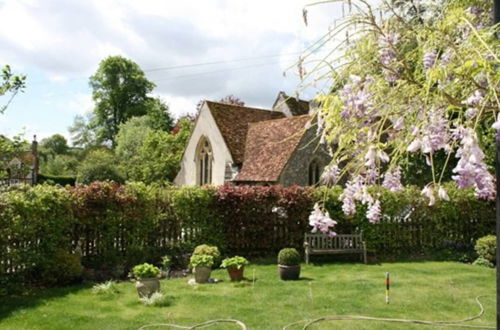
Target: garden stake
{"type": "Point", "coordinates": [387, 284]}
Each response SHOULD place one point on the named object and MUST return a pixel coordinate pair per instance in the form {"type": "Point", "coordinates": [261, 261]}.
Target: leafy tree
{"type": "Point", "coordinates": [161, 154]}
{"type": "Point", "coordinates": [60, 165]}
{"type": "Point", "coordinates": [55, 144]}
{"type": "Point", "coordinates": [119, 90]}
{"type": "Point", "coordinates": [129, 141]}
{"type": "Point", "coordinates": [159, 115]}
{"type": "Point", "coordinates": [99, 165]}
{"type": "Point", "coordinates": [10, 83]}
{"type": "Point", "coordinates": [83, 133]}
{"type": "Point", "coordinates": [231, 99]}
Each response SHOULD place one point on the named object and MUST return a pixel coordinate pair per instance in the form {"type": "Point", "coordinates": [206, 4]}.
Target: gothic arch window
{"type": "Point", "coordinates": [314, 172]}
{"type": "Point", "coordinates": [204, 159]}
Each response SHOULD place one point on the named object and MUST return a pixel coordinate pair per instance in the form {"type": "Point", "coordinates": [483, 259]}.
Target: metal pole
{"type": "Point", "coordinates": [496, 19]}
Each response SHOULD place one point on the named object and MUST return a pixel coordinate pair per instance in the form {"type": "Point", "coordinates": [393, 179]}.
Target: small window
{"type": "Point", "coordinates": [314, 173]}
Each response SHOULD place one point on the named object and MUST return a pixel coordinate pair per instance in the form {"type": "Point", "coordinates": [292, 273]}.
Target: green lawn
{"type": "Point", "coordinates": [420, 290]}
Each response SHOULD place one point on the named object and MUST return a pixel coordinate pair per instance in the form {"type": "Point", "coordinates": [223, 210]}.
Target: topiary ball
{"type": "Point", "coordinates": [289, 257]}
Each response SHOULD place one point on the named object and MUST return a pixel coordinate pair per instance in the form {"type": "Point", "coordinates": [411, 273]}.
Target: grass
{"type": "Point", "coordinates": [419, 290]}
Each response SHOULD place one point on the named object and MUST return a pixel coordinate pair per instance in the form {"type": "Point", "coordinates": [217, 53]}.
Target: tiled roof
{"type": "Point", "coordinates": [270, 144]}
{"type": "Point", "coordinates": [297, 106]}
{"type": "Point", "coordinates": [233, 121]}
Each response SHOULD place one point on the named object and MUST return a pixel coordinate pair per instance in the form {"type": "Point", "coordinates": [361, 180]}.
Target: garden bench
{"type": "Point", "coordinates": [323, 244]}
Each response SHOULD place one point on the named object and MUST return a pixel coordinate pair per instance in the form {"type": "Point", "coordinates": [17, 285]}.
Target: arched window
{"type": "Point", "coordinates": [204, 158]}
{"type": "Point", "coordinates": [314, 172]}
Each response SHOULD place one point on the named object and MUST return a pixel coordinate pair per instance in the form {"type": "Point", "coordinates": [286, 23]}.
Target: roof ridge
{"type": "Point", "coordinates": [284, 118]}
{"type": "Point", "coordinates": [240, 106]}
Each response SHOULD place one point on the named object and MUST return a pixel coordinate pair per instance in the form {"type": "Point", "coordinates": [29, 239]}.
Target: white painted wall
{"type": "Point", "coordinates": [205, 126]}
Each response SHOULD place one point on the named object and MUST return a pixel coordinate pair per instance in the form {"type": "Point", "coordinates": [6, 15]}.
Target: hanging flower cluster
{"type": "Point", "coordinates": [321, 221]}
{"type": "Point", "coordinates": [420, 82]}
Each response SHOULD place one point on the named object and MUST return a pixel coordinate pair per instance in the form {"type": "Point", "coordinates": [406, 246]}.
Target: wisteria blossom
{"type": "Point", "coordinates": [374, 212]}
{"type": "Point", "coordinates": [322, 222]}
{"type": "Point", "coordinates": [429, 59]}
{"type": "Point", "coordinates": [471, 171]}
{"type": "Point", "coordinates": [330, 175]}
{"type": "Point", "coordinates": [428, 192]}
{"type": "Point", "coordinates": [392, 179]}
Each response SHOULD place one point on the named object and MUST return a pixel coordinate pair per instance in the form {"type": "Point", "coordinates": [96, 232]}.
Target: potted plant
{"type": "Point", "coordinates": [202, 267]}
{"type": "Point", "coordinates": [147, 281]}
{"type": "Point", "coordinates": [235, 267]}
{"type": "Point", "coordinates": [210, 250]}
{"type": "Point", "coordinates": [289, 264]}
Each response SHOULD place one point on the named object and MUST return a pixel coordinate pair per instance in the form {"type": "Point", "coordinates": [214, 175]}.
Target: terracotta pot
{"type": "Point", "coordinates": [289, 272]}
{"type": "Point", "coordinates": [147, 286]}
{"type": "Point", "coordinates": [202, 274]}
{"type": "Point", "coordinates": [236, 274]}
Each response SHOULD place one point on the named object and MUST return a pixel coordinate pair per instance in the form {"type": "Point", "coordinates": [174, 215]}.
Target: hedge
{"type": "Point", "coordinates": [56, 179]}
{"type": "Point", "coordinates": [113, 227]}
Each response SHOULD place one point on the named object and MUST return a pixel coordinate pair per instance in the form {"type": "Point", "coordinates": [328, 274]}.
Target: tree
{"type": "Point", "coordinates": [10, 83]}
{"type": "Point", "coordinates": [159, 117]}
{"type": "Point", "coordinates": [161, 154]}
{"type": "Point", "coordinates": [119, 90]}
{"type": "Point", "coordinates": [413, 83]}
{"type": "Point", "coordinates": [99, 165]}
{"type": "Point", "coordinates": [129, 141]}
{"type": "Point", "coordinates": [55, 144]}
{"type": "Point", "coordinates": [83, 132]}
{"type": "Point", "coordinates": [231, 99]}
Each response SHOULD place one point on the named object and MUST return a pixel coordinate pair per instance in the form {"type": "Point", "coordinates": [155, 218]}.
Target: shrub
{"type": "Point", "coordinates": [63, 268]}
{"type": "Point", "coordinates": [56, 179]}
{"type": "Point", "coordinates": [166, 261]}
{"type": "Point", "coordinates": [205, 249]}
{"type": "Point", "coordinates": [486, 248]}
{"type": "Point", "coordinates": [483, 262]}
{"type": "Point", "coordinates": [201, 260]}
{"type": "Point", "coordinates": [157, 299]}
{"type": "Point", "coordinates": [145, 271]}
{"type": "Point", "coordinates": [289, 257]}
{"type": "Point", "coordinates": [234, 262]}
{"type": "Point", "coordinates": [106, 288]}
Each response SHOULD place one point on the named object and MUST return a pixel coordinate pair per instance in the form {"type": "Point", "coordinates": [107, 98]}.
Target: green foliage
{"type": "Point", "coordinates": [159, 118]}
{"type": "Point", "coordinates": [83, 131]}
{"type": "Point", "coordinates": [56, 180]}
{"type": "Point", "coordinates": [289, 257]}
{"type": "Point", "coordinates": [99, 165]}
{"type": "Point", "coordinates": [161, 154]}
{"type": "Point", "coordinates": [10, 83]}
{"type": "Point", "coordinates": [59, 165]}
{"type": "Point", "coordinates": [166, 261]}
{"type": "Point", "coordinates": [54, 145]}
{"type": "Point", "coordinates": [483, 262]}
{"type": "Point", "coordinates": [201, 260]}
{"type": "Point", "coordinates": [234, 262]}
{"type": "Point", "coordinates": [205, 249]}
{"type": "Point", "coordinates": [145, 271]}
{"type": "Point", "coordinates": [63, 268]}
{"type": "Point", "coordinates": [486, 248]}
{"type": "Point", "coordinates": [119, 90]}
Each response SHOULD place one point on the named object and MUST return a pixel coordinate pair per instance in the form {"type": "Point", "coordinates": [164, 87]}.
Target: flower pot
{"type": "Point", "coordinates": [289, 272]}
{"type": "Point", "coordinates": [202, 274]}
{"type": "Point", "coordinates": [147, 286]}
{"type": "Point", "coordinates": [235, 274]}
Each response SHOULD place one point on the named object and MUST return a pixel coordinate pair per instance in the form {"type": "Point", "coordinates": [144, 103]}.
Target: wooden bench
{"type": "Point", "coordinates": [323, 244]}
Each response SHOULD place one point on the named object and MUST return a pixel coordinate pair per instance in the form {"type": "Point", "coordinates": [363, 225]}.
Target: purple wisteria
{"type": "Point", "coordinates": [330, 175]}
{"type": "Point", "coordinates": [392, 179]}
{"type": "Point", "coordinates": [321, 221]}
{"type": "Point", "coordinates": [471, 171]}
{"type": "Point", "coordinates": [356, 97]}
{"type": "Point", "coordinates": [429, 59]}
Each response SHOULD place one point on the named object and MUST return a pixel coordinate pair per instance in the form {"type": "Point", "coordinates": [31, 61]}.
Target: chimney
{"type": "Point", "coordinates": [34, 152]}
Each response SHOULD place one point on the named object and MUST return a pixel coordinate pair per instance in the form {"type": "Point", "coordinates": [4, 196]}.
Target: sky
{"type": "Point", "coordinates": [191, 50]}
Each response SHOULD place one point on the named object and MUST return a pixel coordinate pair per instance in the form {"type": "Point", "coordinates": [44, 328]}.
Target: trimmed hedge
{"type": "Point", "coordinates": [113, 227]}
{"type": "Point", "coordinates": [55, 179]}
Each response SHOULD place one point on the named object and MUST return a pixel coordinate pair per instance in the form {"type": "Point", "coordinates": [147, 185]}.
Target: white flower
{"type": "Point", "coordinates": [443, 194]}
{"type": "Point", "coordinates": [428, 191]}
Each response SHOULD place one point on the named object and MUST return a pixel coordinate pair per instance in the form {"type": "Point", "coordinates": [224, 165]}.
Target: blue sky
{"type": "Point", "coordinates": [59, 43]}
